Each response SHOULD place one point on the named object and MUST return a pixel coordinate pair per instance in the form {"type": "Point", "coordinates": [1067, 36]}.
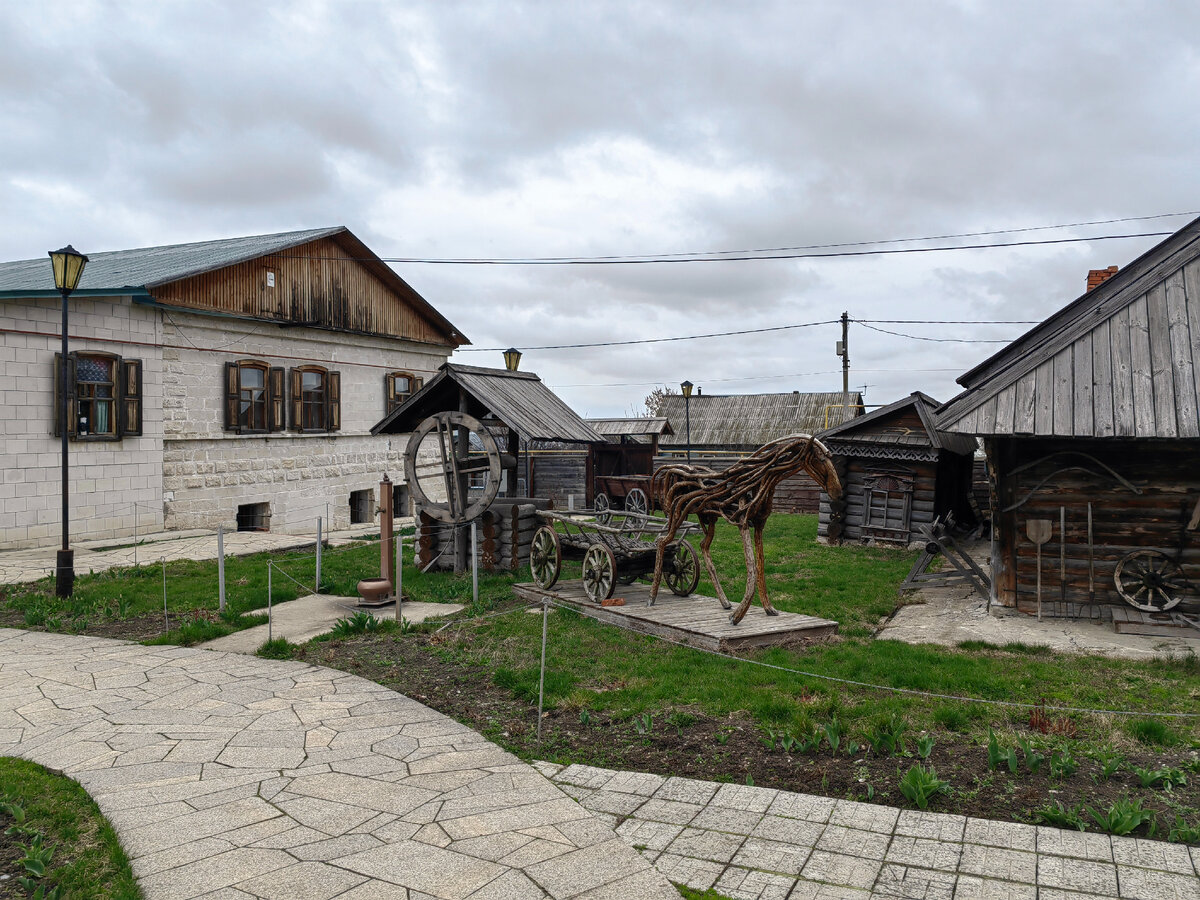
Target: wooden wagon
{"type": "Point", "coordinates": [614, 551]}
{"type": "Point", "coordinates": [630, 493]}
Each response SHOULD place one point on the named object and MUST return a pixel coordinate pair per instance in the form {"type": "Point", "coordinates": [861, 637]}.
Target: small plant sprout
{"type": "Point", "coordinates": [1033, 757]}
{"type": "Point", "coordinates": [1122, 817]}
{"type": "Point", "coordinates": [585, 717]}
{"type": "Point", "coordinates": [1109, 760]}
{"type": "Point", "coordinates": [1063, 764]}
{"type": "Point", "coordinates": [1061, 816]}
{"type": "Point", "coordinates": [644, 723]}
{"type": "Point", "coordinates": [996, 755]}
{"type": "Point", "coordinates": [925, 745]}
{"type": "Point", "coordinates": [920, 785]}
{"type": "Point", "coordinates": [1167, 778]}
{"type": "Point", "coordinates": [833, 733]}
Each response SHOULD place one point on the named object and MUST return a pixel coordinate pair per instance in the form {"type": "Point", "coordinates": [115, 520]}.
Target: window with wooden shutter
{"type": "Point", "coordinates": [275, 414]}
{"type": "Point", "coordinates": [231, 396]}
{"type": "Point", "coordinates": [104, 396]}
{"type": "Point", "coordinates": [247, 405]}
{"type": "Point", "coordinates": [398, 387]}
{"type": "Point", "coordinates": [294, 396]}
{"type": "Point", "coordinates": [131, 398]}
{"type": "Point", "coordinates": [333, 401]}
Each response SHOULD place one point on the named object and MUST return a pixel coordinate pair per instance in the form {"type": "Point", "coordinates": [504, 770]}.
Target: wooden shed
{"type": "Point", "coordinates": [898, 472]}
{"type": "Point", "coordinates": [1091, 429]}
{"type": "Point", "coordinates": [726, 427]}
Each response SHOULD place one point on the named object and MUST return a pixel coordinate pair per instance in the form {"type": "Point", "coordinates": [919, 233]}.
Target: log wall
{"type": "Point", "coordinates": [559, 475]}
{"type": "Point", "coordinates": [923, 507]}
{"type": "Point", "coordinates": [798, 494]}
{"type": "Point", "coordinates": [1167, 473]}
{"type": "Point", "coordinates": [503, 534]}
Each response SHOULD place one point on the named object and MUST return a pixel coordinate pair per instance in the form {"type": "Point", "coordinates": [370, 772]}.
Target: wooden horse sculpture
{"type": "Point", "coordinates": [743, 494]}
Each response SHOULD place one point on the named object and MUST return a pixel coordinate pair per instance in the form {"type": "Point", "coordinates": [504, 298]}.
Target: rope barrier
{"type": "Point", "coordinates": [912, 692]}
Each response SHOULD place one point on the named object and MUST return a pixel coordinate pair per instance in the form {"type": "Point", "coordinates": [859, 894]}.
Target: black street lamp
{"type": "Point", "coordinates": [686, 387]}
{"type": "Point", "coordinates": [68, 266]}
{"type": "Point", "coordinates": [512, 359]}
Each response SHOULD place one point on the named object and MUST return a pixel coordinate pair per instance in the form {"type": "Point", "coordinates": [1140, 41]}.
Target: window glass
{"type": "Point", "coordinates": [312, 400]}
{"type": "Point", "coordinates": [252, 409]}
{"type": "Point", "coordinates": [94, 382]}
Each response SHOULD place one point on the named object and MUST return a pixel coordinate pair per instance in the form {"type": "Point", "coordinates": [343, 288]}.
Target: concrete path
{"type": "Point", "coordinates": [759, 844]}
{"type": "Point", "coordinates": [230, 777]}
{"type": "Point", "coordinates": [304, 618]}
{"type": "Point", "coordinates": [950, 614]}
{"type": "Point", "coordinates": [23, 566]}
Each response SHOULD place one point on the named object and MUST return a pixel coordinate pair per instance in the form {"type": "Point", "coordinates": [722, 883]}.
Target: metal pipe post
{"type": "Point", "coordinates": [317, 587]}
{"type": "Point", "coordinates": [166, 621]}
{"type": "Point", "coordinates": [135, 533]}
{"type": "Point", "coordinates": [270, 615]}
{"type": "Point", "coordinates": [221, 567]}
{"type": "Point", "coordinates": [542, 675]}
{"type": "Point", "coordinates": [399, 577]}
{"type": "Point", "coordinates": [64, 576]}
{"type": "Point", "coordinates": [474, 568]}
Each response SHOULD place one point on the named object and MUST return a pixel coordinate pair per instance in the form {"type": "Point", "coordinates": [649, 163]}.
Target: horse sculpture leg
{"type": "Point", "coordinates": [751, 577]}
{"type": "Point", "coordinates": [660, 549]}
{"type": "Point", "coordinates": [710, 531]}
{"type": "Point", "coordinates": [761, 569]}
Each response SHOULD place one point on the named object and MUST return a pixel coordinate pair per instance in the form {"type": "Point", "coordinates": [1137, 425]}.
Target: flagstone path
{"type": "Point", "coordinates": [231, 777]}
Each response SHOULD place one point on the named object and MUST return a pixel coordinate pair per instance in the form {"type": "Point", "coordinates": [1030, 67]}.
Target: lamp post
{"type": "Point", "coordinates": [512, 359]}
{"type": "Point", "coordinates": [68, 266]}
{"type": "Point", "coordinates": [686, 387]}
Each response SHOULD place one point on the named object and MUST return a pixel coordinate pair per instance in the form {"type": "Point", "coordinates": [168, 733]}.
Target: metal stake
{"type": "Point", "coordinates": [542, 676]}
{"type": "Point", "coordinates": [399, 576]}
{"type": "Point", "coordinates": [135, 533]}
{"type": "Point", "coordinates": [166, 621]}
{"type": "Point", "coordinates": [317, 586]}
{"type": "Point", "coordinates": [221, 567]}
{"type": "Point", "coordinates": [270, 616]}
{"type": "Point", "coordinates": [474, 567]}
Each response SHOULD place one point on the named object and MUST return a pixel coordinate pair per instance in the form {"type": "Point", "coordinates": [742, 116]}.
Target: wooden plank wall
{"type": "Point", "coordinates": [324, 289]}
{"type": "Point", "coordinates": [1135, 374]}
{"type": "Point", "coordinates": [1165, 471]}
{"type": "Point", "coordinates": [558, 475]}
{"type": "Point", "coordinates": [798, 494]}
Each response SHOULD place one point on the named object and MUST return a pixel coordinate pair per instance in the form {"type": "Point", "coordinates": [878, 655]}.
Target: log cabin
{"type": "Point", "coordinates": [1091, 429]}
{"type": "Point", "coordinates": [898, 472]}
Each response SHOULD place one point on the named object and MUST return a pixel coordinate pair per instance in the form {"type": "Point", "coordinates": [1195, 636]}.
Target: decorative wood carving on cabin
{"type": "Point", "coordinates": [743, 495]}
{"type": "Point", "coordinates": [887, 504]}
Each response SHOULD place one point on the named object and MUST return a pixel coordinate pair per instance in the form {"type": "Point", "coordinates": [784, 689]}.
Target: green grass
{"type": "Point", "coordinates": [88, 861]}
{"type": "Point", "coordinates": [192, 591]}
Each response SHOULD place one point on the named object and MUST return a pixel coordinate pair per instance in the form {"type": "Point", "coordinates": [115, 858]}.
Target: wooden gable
{"type": "Point", "coordinates": [1123, 361]}
{"type": "Point", "coordinates": [333, 283]}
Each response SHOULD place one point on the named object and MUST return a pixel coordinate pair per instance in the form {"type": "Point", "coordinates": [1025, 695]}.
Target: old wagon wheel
{"type": "Point", "coordinates": [446, 449]}
{"type": "Point", "coordinates": [683, 574]}
{"type": "Point", "coordinates": [603, 508]}
{"type": "Point", "coordinates": [599, 573]}
{"type": "Point", "coordinates": [545, 557]}
{"type": "Point", "coordinates": [1150, 580]}
{"type": "Point", "coordinates": [635, 502]}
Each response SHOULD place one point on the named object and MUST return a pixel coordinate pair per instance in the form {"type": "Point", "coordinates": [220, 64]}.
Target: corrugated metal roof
{"type": "Point", "coordinates": [632, 427]}
{"type": "Point", "coordinates": [518, 399]}
{"type": "Point", "coordinates": [129, 270]}
{"type": "Point", "coordinates": [865, 429]}
{"type": "Point", "coordinates": [751, 420]}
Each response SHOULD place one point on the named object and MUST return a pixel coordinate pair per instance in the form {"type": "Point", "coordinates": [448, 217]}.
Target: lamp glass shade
{"type": "Point", "coordinates": [512, 359]}
{"type": "Point", "coordinates": [68, 266]}
{"type": "Point", "coordinates": [686, 387]}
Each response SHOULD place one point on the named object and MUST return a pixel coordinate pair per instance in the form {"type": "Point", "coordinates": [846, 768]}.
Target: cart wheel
{"type": "Point", "coordinates": [1150, 580]}
{"type": "Point", "coordinates": [603, 508]}
{"type": "Point", "coordinates": [683, 574]}
{"type": "Point", "coordinates": [545, 557]}
{"type": "Point", "coordinates": [599, 573]}
{"type": "Point", "coordinates": [635, 502]}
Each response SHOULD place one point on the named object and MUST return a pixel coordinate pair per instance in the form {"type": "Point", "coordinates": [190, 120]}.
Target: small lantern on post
{"type": "Point", "coordinates": [512, 359]}
{"type": "Point", "coordinates": [686, 388]}
{"type": "Point", "coordinates": [67, 264]}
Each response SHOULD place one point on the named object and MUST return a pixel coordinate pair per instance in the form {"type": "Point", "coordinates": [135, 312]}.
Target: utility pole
{"type": "Point", "coordinates": [843, 349]}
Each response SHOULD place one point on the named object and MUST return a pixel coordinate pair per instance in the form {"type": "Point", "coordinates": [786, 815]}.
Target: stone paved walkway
{"type": "Point", "coordinates": [230, 777]}
{"type": "Point", "coordinates": [755, 843]}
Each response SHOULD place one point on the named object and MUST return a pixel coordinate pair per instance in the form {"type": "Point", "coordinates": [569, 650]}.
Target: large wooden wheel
{"type": "Point", "coordinates": [683, 573]}
{"type": "Point", "coordinates": [443, 453]}
{"type": "Point", "coordinates": [602, 508]}
{"type": "Point", "coordinates": [545, 557]}
{"type": "Point", "coordinates": [599, 573]}
{"type": "Point", "coordinates": [636, 502]}
{"type": "Point", "coordinates": [1150, 580]}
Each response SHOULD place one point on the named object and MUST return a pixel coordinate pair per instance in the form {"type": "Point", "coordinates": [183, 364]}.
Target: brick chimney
{"type": "Point", "coordinates": [1097, 277]}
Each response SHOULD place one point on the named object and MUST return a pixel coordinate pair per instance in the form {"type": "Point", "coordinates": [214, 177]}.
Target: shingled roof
{"type": "Point", "coordinates": [518, 399]}
{"type": "Point", "coordinates": [747, 421]}
{"type": "Point", "coordinates": [634, 426]}
{"type": "Point", "coordinates": [875, 427]}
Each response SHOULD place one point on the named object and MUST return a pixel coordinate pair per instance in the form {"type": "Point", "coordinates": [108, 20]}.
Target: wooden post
{"type": "Point", "coordinates": [462, 448]}
{"type": "Point", "coordinates": [387, 557]}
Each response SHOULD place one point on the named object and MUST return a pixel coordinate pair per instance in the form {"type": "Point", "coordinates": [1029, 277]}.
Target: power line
{"type": "Point", "coordinates": [918, 337]}
{"type": "Point", "coordinates": [664, 381]}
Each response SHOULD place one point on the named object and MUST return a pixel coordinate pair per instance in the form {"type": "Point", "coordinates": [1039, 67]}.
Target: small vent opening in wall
{"type": "Point", "coordinates": [362, 507]}
{"type": "Point", "coordinates": [400, 502]}
{"type": "Point", "coordinates": [254, 517]}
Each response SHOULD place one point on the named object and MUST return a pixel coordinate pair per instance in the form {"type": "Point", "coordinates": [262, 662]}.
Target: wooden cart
{"type": "Point", "coordinates": [630, 493]}
{"type": "Point", "coordinates": [620, 549]}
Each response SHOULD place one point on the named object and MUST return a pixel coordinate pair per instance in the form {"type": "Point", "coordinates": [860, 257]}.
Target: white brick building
{"type": "Point", "coordinates": [226, 382]}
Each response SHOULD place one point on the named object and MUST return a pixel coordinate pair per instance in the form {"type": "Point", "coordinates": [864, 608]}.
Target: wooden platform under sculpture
{"type": "Point", "coordinates": [696, 620]}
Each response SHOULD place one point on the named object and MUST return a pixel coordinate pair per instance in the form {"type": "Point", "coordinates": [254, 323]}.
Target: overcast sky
{"type": "Point", "coordinates": [566, 129]}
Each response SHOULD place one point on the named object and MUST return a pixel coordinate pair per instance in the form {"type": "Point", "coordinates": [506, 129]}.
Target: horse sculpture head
{"type": "Point", "coordinates": [803, 453]}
